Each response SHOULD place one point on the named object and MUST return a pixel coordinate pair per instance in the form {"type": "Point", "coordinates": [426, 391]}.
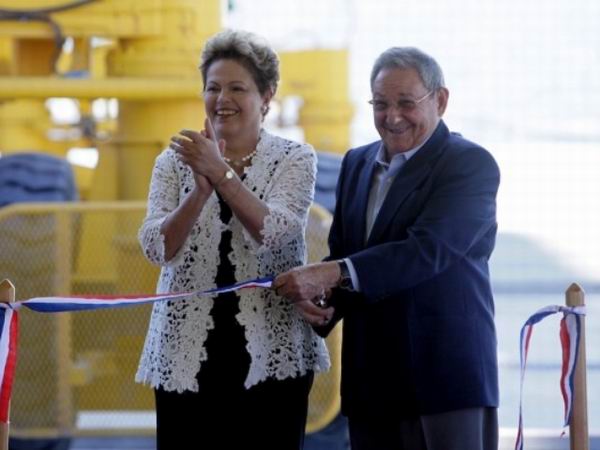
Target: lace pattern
{"type": "Point", "coordinates": [280, 342]}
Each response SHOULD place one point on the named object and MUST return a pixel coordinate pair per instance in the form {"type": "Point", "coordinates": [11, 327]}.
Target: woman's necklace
{"type": "Point", "coordinates": [240, 162]}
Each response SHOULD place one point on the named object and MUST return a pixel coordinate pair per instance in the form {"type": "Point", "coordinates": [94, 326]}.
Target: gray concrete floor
{"type": "Point", "coordinates": [313, 442]}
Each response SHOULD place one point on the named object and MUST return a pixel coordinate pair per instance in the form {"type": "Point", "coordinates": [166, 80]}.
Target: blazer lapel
{"type": "Point", "coordinates": [362, 190]}
{"type": "Point", "coordinates": [407, 180]}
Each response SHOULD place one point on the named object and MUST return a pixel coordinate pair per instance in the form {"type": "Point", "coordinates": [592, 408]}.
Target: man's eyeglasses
{"type": "Point", "coordinates": [404, 105]}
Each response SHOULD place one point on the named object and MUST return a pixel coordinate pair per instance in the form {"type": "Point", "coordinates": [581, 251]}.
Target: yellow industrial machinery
{"type": "Point", "coordinates": [140, 56]}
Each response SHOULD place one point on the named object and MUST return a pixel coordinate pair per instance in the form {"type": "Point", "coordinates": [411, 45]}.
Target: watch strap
{"type": "Point", "coordinates": [345, 280]}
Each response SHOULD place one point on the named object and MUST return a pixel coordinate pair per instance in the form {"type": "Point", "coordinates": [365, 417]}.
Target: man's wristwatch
{"type": "Point", "coordinates": [345, 280]}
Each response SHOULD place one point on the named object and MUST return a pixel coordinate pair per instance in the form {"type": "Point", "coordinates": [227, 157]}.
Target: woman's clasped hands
{"type": "Point", "coordinates": [203, 153]}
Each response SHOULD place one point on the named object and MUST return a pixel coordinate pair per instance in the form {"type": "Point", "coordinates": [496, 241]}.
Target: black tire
{"type": "Point", "coordinates": [35, 177]}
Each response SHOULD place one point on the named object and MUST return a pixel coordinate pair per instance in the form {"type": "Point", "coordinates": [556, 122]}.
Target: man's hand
{"type": "Point", "coordinates": [308, 288]}
{"type": "Point", "coordinates": [315, 315]}
{"type": "Point", "coordinates": [307, 283]}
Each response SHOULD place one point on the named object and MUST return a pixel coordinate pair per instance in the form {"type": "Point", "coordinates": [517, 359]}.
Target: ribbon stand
{"type": "Point", "coordinates": [578, 428]}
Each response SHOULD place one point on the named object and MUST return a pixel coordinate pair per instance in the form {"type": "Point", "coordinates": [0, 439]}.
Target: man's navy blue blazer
{"type": "Point", "coordinates": [421, 331]}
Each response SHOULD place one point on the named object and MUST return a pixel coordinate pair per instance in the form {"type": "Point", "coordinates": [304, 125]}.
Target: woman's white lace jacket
{"type": "Point", "coordinates": [280, 342]}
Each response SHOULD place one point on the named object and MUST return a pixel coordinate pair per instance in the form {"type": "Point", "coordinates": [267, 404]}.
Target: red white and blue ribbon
{"type": "Point", "coordinates": [86, 303]}
{"type": "Point", "coordinates": [9, 321]}
{"type": "Point", "coordinates": [9, 327]}
{"type": "Point", "coordinates": [570, 329]}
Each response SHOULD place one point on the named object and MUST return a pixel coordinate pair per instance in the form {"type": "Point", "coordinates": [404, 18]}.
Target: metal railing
{"type": "Point", "coordinates": [73, 366]}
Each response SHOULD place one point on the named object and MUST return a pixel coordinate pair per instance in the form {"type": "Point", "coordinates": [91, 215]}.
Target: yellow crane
{"type": "Point", "coordinates": [140, 56]}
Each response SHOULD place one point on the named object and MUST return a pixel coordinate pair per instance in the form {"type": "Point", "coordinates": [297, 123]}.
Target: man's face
{"type": "Point", "coordinates": [405, 113]}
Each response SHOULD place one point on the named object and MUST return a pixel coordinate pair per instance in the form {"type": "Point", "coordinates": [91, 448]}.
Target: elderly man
{"type": "Point", "coordinates": [413, 230]}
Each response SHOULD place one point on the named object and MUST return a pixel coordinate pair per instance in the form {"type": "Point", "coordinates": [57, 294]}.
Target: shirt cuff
{"type": "Point", "coordinates": [352, 270]}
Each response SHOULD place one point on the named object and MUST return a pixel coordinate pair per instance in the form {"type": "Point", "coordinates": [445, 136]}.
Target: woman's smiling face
{"type": "Point", "coordinates": [232, 100]}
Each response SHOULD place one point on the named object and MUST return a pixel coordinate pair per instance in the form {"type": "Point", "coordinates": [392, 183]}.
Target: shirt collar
{"type": "Point", "coordinates": [399, 159]}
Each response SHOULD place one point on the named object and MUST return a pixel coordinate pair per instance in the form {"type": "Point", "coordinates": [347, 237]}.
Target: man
{"type": "Point", "coordinates": [413, 229]}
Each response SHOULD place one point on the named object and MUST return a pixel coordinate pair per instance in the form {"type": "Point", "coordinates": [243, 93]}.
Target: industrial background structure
{"type": "Point", "coordinates": [129, 69]}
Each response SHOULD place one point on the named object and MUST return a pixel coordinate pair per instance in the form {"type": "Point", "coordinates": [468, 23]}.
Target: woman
{"type": "Point", "coordinates": [227, 204]}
